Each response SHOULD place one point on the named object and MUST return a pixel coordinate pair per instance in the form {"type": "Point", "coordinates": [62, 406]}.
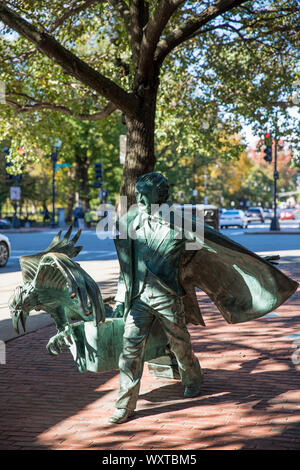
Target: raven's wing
{"type": "Point", "coordinates": [57, 271]}
{"type": "Point", "coordinates": [30, 263]}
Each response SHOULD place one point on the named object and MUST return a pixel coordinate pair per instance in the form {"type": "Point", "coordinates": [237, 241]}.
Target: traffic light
{"type": "Point", "coordinates": [99, 175]}
{"type": "Point", "coordinates": [16, 179]}
{"type": "Point", "coordinates": [8, 177]}
{"type": "Point", "coordinates": [98, 171]}
{"type": "Point", "coordinates": [268, 149]}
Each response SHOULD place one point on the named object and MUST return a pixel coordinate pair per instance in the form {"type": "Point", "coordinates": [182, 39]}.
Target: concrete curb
{"type": "Point", "coordinates": [275, 232]}
{"type": "Point", "coordinates": [32, 230]}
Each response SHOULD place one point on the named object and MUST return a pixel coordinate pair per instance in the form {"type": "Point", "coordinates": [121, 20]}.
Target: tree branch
{"type": "Point", "coordinates": [70, 63]}
{"type": "Point", "coordinates": [280, 104]}
{"type": "Point", "coordinates": [138, 19]}
{"type": "Point", "coordinates": [192, 26]}
{"type": "Point", "coordinates": [109, 108]}
{"type": "Point", "coordinates": [70, 12]}
{"type": "Point", "coordinates": [153, 31]}
{"type": "Point", "coordinates": [291, 9]}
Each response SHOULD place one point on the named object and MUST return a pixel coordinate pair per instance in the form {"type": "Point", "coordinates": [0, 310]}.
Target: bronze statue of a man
{"type": "Point", "coordinates": [154, 292]}
{"type": "Point", "coordinates": [157, 283]}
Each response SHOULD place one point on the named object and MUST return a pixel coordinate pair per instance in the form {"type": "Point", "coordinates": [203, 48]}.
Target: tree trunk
{"type": "Point", "coordinates": [140, 158]}
{"type": "Point", "coordinates": [82, 180]}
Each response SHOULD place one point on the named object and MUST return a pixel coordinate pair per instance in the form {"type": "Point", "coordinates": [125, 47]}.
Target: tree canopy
{"type": "Point", "coordinates": [86, 59]}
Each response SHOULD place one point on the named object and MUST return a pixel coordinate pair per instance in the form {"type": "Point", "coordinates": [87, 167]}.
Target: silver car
{"type": "Point", "coordinates": [232, 217]}
{"type": "Point", "coordinates": [5, 250]}
{"type": "Point", "coordinates": [255, 214]}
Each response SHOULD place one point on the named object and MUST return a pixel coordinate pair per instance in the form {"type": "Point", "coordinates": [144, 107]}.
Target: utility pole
{"type": "Point", "coordinates": [194, 180]}
{"type": "Point", "coordinates": [54, 158]}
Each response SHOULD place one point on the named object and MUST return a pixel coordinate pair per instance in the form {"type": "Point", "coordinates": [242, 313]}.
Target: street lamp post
{"type": "Point", "coordinates": [194, 180]}
{"type": "Point", "coordinates": [54, 158]}
{"type": "Point", "coordinates": [275, 222]}
{"type": "Point", "coordinates": [205, 199]}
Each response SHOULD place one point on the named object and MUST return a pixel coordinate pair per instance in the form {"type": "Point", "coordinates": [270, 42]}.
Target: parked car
{"type": "Point", "coordinates": [287, 214]}
{"type": "Point", "coordinates": [268, 214]}
{"type": "Point", "coordinates": [254, 214]}
{"type": "Point", "coordinates": [4, 224]}
{"type": "Point", "coordinates": [4, 250]}
{"type": "Point", "coordinates": [231, 218]}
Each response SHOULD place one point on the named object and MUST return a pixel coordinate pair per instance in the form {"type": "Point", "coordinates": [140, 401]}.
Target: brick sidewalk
{"type": "Point", "coordinates": [250, 395]}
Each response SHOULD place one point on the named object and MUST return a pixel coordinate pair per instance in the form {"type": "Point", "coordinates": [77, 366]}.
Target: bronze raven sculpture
{"type": "Point", "coordinates": [53, 282]}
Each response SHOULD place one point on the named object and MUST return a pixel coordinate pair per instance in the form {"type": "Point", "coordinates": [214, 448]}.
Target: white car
{"type": "Point", "coordinates": [4, 250]}
{"type": "Point", "coordinates": [233, 218]}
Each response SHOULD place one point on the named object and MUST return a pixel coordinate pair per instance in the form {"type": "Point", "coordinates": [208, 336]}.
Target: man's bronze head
{"type": "Point", "coordinates": [151, 188]}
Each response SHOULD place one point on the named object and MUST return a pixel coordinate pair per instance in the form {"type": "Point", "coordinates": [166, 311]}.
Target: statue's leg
{"type": "Point", "coordinates": [171, 314]}
{"type": "Point", "coordinates": [137, 326]}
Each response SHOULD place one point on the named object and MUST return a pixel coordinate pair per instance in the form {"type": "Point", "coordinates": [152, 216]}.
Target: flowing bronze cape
{"type": "Point", "coordinates": [242, 285]}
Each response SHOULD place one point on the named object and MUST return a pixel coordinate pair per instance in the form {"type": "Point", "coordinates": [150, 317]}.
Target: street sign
{"type": "Point", "coordinates": [63, 165]}
{"type": "Point", "coordinates": [15, 193]}
{"type": "Point", "coordinates": [58, 166]}
{"type": "Point", "coordinates": [123, 140]}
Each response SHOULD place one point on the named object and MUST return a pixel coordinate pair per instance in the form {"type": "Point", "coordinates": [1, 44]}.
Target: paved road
{"type": "Point", "coordinates": [28, 243]}
{"type": "Point", "coordinates": [103, 249]}
{"type": "Point", "coordinates": [287, 245]}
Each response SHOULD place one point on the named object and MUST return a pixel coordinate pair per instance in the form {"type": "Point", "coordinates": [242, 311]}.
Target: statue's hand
{"type": "Point", "coordinates": [60, 340]}
{"type": "Point", "coordinates": [118, 310]}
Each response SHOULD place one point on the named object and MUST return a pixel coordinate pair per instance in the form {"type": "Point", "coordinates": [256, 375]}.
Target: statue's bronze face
{"type": "Point", "coordinates": [146, 194]}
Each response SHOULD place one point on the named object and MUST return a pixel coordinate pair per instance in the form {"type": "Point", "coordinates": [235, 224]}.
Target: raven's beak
{"type": "Point", "coordinates": [18, 315]}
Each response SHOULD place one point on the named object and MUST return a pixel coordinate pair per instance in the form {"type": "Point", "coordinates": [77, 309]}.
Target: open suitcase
{"type": "Point", "coordinates": [96, 348]}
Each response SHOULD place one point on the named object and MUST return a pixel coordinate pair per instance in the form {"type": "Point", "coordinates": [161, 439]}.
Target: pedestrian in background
{"type": "Point", "coordinates": [46, 215]}
{"type": "Point", "coordinates": [88, 218]}
{"type": "Point", "coordinates": [79, 216]}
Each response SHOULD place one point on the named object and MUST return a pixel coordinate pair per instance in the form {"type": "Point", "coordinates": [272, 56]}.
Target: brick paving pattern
{"type": "Point", "coordinates": [250, 397]}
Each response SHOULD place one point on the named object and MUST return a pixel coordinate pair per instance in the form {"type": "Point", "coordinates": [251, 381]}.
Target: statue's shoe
{"type": "Point", "coordinates": [120, 416]}
{"type": "Point", "coordinates": [192, 391]}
